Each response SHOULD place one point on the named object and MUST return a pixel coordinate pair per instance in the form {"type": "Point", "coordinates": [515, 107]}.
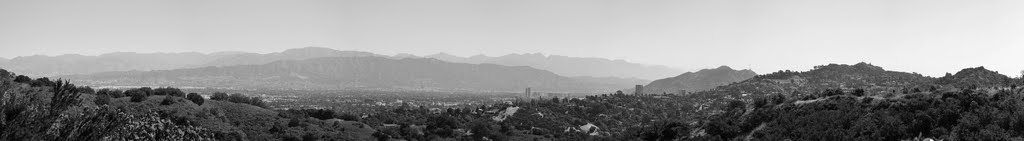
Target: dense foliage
{"type": "Point", "coordinates": [46, 110]}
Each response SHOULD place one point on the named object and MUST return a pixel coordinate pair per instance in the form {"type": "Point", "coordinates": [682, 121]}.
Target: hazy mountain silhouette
{"type": "Point", "coordinates": [125, 61]}
{"type": "Point", "coordinates": [290, 54]}
{"type": "Point", "coordinates": [612, 81]}
{"type": "Point", "coordinates": [569, 66]}
{"type": "Point", "coordinates": [698, 81]}
{"type": "Point", "coordinates": [355, 72]}
{"type": "Point", "coordinates": [39, 65]}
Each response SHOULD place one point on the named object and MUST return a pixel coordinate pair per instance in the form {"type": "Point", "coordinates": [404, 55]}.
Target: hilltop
{"type": "Point", "coordinates": [704, 79]}
{"type": "Point", "coordinates": [975, 77]}
{"type": "Point", "coordinates": [73, 64]}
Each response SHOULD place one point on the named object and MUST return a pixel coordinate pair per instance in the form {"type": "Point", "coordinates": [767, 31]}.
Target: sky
{"type": "Point", "coordinates": [930, 37]}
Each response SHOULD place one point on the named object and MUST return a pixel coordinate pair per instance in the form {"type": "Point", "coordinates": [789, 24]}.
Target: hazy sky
{"type": "Point", "coordinates": [927, 36]}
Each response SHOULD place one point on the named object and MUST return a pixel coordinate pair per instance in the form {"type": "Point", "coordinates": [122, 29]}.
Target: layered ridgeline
{"type": "Point", "coordinates": [127, 61]}
{"type": "Point", "coordinates": [291, 54]}
{"type": "Point", "coordinates": [569, 66]}
{"type": "Point", "coordinates": [354, 72]}
{"type": "Point", "coordinates": [79, 64]}
{"type": "Point", "coordinates": [698, 81]}
{"type": "Point", "coordinates": [122, 61]}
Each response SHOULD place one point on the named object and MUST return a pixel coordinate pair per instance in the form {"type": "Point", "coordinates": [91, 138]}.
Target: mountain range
{"type": "Point", "coordinates": [355, 72]}
{"type": "Point", "coordinates": [569, 66]}
{"type": "Point", "coordinates": [127, 61]}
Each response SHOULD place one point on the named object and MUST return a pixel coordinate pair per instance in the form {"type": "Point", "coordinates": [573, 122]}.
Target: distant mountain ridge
{"type": "Point", "coordinates": [125, 61]}
{"type": "Point", "coordinates": [569, 66]}
{"type": "Point", "coordinates": [119, 61]}
{"type": "Point", "coordinates": [698, 81]}
{"type": "Point", "coordinates": [290, 54]}
{"type": "Point", "coordinates": [355, 72]}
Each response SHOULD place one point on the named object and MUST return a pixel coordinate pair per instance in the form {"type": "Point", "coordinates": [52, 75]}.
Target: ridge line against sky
{"type": "Point", "coordinates": [931, 37]}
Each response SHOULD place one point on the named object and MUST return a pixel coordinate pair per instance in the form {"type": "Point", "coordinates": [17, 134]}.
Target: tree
{"type": "Point", "coordinates": [113, 93]}
{"type": "Point", "coordinates": [168, 100]}
{"type": "Point", "coordinates": [195, 98]}
{"type": "Point", "coordinates": [65, 95]}
{"type": "Point", "coordinates": [22, 79]}
{"type": "Point", "coordinates": [39, 82]}
{"type": "Point", "coordinates": [139, 91]}
{"type": "Point", "coordinates": [238, 98]}
{"type": "Point", "coordinates": [860, 92]}
{"type": "Point", "coordinates": [169, 91]}
{"type": "Point", "coordinates": [778, 98]}
{"type": "Point", "coordinates": [219, 96]}
{"type": "Point", "coordinates": [102, 99]}
{"type": "Point", "coordinates": [736, 105]}
{"type": "Point", "coordinates": [86, 89]}
{"type": "Point", "coordinates": [258, 102]}
{"type": "Point", "coordinates": [138, 96]}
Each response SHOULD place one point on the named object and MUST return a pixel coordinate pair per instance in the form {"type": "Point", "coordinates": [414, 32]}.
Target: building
{"type": "Point", "coordinates": [528, 93]}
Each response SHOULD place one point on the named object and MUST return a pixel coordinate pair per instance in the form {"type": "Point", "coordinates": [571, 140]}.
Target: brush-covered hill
{"type": "Point", "coordinates": [698, 81]}
{"type": "Point", "coordinates": [974, 104]}
{"type": "Point", "coordinates": [860, 75]}
{"type": "Point", "coordinates": [975, 77]}
{"type": "Point", "coordinates": [354, 72]}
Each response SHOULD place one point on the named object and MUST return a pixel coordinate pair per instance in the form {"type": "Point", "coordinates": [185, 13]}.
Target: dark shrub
{"type": "Point", "coordinates": [139, 91]}
{"type": "Point", "coordinates": [348, 117]}
{"type": "Point", "coordinates": [195, 98]}
{"type": "Point", "coordinates": [238, 98]}
{"type": "Point", "coordinates": [858, 92]}
{"type": "Point", "coordinates": [102, 99]}
{"type": "Point", "coordinates": [116, 94]}
{"type": "Point", "coordinates": [219, 96]}
{"type": "Point", "coordinates": [86, 89]}
{"type": "Point", "coordinates": [169, 91]}
{"type": "Point", "coordinates": [138, 97]}
{"type": "Point", "coordinates": [22, 79]}
{"type": "Point", "coordinates": [168, 100]}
